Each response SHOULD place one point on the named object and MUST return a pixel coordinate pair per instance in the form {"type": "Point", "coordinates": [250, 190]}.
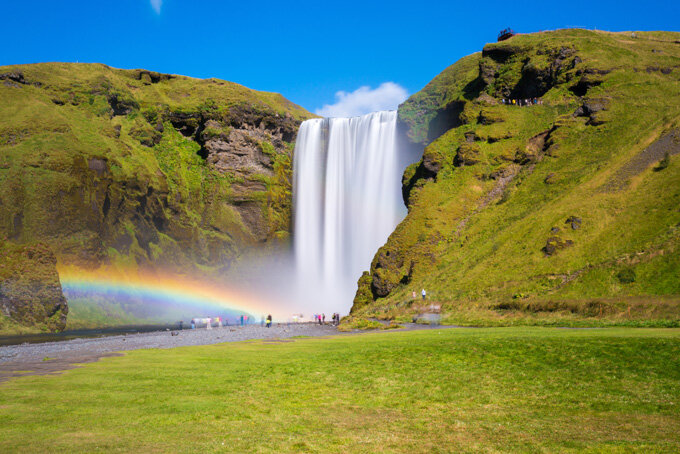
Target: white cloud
{"type": "Point", "coordinates": [365, 100]}
{"type": "Point", "coordinates": [156, 5]}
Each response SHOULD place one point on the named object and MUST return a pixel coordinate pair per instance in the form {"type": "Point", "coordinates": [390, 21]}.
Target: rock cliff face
{"type": "Point", "coordinates": [142, 168]}
{"type": "Point", "coordinates": [30, 292]}
{"type": "Point", "coordinates": [135, 169]}
{"type": "Point", "coordinates": [497, 183]}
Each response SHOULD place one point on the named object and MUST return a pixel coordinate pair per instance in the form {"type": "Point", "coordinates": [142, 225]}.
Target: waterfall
{"type": "Point", "coordinates": [347, 200]}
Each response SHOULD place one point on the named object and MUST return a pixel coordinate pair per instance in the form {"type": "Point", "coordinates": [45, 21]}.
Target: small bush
{"type": "Point", "coordinates": [626, 276]}
{"type": "Point", "coordinates": [664, 162]}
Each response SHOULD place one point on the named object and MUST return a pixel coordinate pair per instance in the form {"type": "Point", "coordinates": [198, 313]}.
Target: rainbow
{"type": "Point", "coordinates": [197, 298]}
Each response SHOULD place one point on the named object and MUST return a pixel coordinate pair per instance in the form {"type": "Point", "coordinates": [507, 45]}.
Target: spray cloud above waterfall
{"type": "Point", "coordinates": [365, 100]}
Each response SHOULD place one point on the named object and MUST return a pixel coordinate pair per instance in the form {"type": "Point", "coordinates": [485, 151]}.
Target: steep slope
{"type": "Point", "coordinates": [561, 211]}
{"type": "Point", "coordinates": [139, 170]}
{"type": "Point", "coordinates": [107, 164]}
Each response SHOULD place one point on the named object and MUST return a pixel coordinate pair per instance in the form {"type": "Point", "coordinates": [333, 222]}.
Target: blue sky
{"type": "Point", "coordinates": [315, 53]}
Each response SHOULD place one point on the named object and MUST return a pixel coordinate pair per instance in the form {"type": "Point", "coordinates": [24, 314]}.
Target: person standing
{"type": "Point", "coordinates": [241, 320]}
{"type": "Point", "coordinates": [193, 324]}
{"type": "Point", "coordinates": [269, 321]}
{"type": "Point", "coordinates": [209, 324]}
{"type": "Point", "coordinates": [323, 319]}
{"type": "Point", "coordinates": [423, 293]}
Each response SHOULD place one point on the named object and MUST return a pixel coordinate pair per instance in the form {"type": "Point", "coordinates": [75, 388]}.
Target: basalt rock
{"type": "Point", "coordinates": [555, 244]}
{"type": "Point", "coordinates": [468, 154]}
{"type": "Point", "coordinates": [30, 292]}
{"type": "Point", "coordinates": [592, 109]}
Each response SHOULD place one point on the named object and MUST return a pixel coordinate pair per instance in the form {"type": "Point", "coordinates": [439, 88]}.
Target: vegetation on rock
{"type": "Point", "coordinates": [541, 214]}
{"type": "Point", "coordinates": [135, 169]}
{"type": "Point", "coordinates": [30, 292]}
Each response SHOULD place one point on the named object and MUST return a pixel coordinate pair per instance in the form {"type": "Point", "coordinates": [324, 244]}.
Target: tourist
{"type": "Point", "coordinates": [181, 324]}
{"type": "Point", "coordinates": [423, 293]}
{"type": "Point", "coordinates": [323, 319]}
{"type": "Point", "coordinates": [241, 320]}
{"type": "Point", "coordinates": [209, 325]}
{"type": "Point", "coordinates": [193, 324]}
{"type": "Point", "coordinates": [269, 321]}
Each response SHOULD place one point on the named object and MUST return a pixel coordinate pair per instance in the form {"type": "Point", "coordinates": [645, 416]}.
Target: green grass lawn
{"type": "Point", "coordinates": [449, 390]}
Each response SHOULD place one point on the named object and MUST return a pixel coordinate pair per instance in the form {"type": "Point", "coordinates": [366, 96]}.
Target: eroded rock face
{"type": "Point", "coordinates": [241, 151]}
{"type": "Point", "coordinates": [170, 172]}
{"type": "Point", "coordinates": [30, 292]}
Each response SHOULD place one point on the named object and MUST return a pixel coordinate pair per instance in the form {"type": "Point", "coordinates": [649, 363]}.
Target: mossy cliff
{"type": "Point", "coordinates": [139, 167]}
{"type": "Point", "coordinates": [30, 292]}
{"type": "Point", "coordinates": [136, 169]}
{"type": "Point", "coordinates": [557, 212]}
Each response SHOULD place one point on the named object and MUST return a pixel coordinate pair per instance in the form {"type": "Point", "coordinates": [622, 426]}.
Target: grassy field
{"type": "Point", "coordinates": [448, 390]}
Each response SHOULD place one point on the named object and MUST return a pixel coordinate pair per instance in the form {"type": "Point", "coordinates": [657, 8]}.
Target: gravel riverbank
{"type": "Point", "coordinates": [51, 357]}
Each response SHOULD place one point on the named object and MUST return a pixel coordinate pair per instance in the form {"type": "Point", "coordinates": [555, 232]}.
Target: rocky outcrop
{"type": "Point", "coordinates": [30, 292]}
{"type": "Point", "coordinates": [167, 171]}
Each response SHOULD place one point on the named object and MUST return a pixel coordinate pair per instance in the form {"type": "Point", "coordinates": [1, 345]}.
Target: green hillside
{"type": "Point", "coordinates": [111, 165]}
{"type": "Point", "coordinates": [564, 211]}
{"type": "Point", "coordinates": [133, 169]}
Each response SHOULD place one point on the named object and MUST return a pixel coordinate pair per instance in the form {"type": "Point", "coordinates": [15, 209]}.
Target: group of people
{"type": "Point", "coordinates": [265, 322]}
{"type": "Point", "coordinates": [209, 321]}
{"type": "Point", "coordinates": [321, 319]}
{"type": "Point", "coordinates": [423, 293]}
{"type": "Point", "coordinates": [522, 102]}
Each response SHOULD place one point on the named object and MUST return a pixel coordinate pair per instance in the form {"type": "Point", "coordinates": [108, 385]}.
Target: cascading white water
{"type": "Point", "coordinates": [347, 200]}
